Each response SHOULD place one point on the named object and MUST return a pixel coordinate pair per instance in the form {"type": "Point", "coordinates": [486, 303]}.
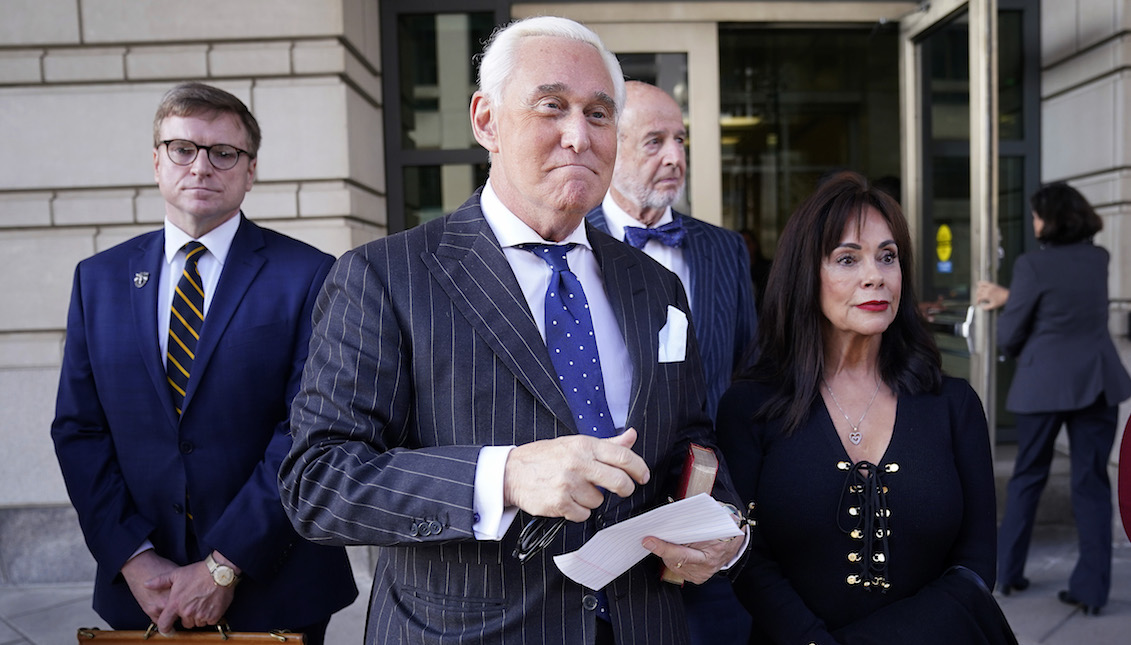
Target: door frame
{"type": "Point", "coordinates": [982, 23]}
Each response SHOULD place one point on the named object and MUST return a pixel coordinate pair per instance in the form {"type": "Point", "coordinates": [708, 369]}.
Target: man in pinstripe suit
{"type": "Point", "coordinates": [714, 267]}
{"type": "Point", "coordinates": [431, 414]}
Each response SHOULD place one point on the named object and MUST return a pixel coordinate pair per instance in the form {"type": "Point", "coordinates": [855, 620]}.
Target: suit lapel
{"type": "Point", "coordinates": [470, 266]}
{"type": "Point", "coordinates": [242, 265]}
{"type": "Point", "coordinates": [146, 265]}
{"type": "Point", "coordinates": [699, 261]}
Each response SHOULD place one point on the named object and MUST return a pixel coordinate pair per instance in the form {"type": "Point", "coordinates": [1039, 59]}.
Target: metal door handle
{"type": "Point", "coordinates": [965, 329]}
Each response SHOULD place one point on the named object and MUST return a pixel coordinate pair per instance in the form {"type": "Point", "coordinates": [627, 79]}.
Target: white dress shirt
{"type": "Point", "coordinates": [533, 275]}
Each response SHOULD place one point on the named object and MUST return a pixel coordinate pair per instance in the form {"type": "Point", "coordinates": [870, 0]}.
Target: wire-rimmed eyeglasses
{"type": "Point", "coordinates": [222, 156]}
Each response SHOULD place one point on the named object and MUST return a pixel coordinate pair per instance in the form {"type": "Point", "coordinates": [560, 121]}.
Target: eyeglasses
{"type": "Point", "coordinates": [221, 156]}
{"type": "Point", "coordinates": [537, 533]}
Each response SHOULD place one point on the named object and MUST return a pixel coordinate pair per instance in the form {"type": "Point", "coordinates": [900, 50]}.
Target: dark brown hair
{"type": "Point", "coordinates": [198, 99]}
{"type": "Point", "coordinates": [789, 348]}
{"type": "Point", "coordinates": [1066, 216]}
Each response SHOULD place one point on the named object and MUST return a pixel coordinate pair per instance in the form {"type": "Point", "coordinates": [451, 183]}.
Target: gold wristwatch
{"type": "Point", "coordinates": [222, 574]}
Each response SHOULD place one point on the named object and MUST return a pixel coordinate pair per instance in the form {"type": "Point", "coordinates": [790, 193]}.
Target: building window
{"type": "Point", "coordinates": [429, 56]}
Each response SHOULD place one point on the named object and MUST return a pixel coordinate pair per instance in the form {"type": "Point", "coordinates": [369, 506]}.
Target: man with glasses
{"type": "Point", "coordinates": [184, 349]}
{"type": "Point", "coordinates": [505, 360]}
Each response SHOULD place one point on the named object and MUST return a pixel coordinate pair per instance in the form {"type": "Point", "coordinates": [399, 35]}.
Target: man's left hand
{"type": "Point", "coordinates": [193, 597]}
{"type": "Point", "coordinates": [698, 561]}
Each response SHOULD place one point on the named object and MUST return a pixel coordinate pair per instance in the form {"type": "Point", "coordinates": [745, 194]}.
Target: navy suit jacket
{"type": "Point", "coordinates": [1056, 323]}
{"type": "Point", "coordinates": [424, 350]}
{"type": "Point", "coordinates": [722, 298]}
{"type": "Point", "coordinates": [130, 464]}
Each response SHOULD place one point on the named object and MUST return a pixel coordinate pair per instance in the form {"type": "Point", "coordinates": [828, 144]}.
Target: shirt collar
{"type": "Point", "coordinates": [510, 231]}
{"type": "Point", "coordinates": [617, 218]}
{"type": "Point", "coordinates": [218, 241]}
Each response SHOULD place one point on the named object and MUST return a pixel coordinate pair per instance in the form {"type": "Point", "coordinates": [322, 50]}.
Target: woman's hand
{"type": "Point", "coordinates": [990, 296]}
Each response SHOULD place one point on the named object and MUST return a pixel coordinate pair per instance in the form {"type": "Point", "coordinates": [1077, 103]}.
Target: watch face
{"type": "Point", "coordinates": [224, 576]}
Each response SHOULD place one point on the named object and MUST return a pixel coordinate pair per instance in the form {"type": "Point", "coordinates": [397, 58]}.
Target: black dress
{"type": "Point", "coordinates": [837, 544]}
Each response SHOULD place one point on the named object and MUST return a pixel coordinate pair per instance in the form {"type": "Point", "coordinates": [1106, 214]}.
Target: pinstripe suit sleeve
{"type": "Point", "coordinates": [353, 475]}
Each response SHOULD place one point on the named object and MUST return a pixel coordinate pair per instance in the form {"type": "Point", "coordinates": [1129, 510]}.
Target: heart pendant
{"type": "Point", "coordinates": [854, 437]}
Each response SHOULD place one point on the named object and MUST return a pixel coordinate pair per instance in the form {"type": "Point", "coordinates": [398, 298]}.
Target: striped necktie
{"type": "Point", "coordinates": [185, 321]}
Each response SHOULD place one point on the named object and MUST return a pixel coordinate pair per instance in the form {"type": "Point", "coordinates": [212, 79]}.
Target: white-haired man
{"type": "Point", "coordinates": [435, 407]}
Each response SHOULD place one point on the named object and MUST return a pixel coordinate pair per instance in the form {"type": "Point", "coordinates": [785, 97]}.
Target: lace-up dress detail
{"type": "Point", "coordinates": [863, 514]}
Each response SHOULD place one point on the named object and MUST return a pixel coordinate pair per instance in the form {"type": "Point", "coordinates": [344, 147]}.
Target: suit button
{"type": "Point", "coordinates": [186, 447]}
{"type": "Point", "coordinates": [415, 530]}
{"type": "Point", "coordinates": [435, 527]}
{"type": "Point", "coordinates": [589, 602]}
{"type": "Point", "coordinates": [178, 509]}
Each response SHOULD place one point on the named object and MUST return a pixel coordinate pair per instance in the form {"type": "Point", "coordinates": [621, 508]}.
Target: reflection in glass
{"type": "Point", "coordinates": [437, 72]}
{"type": "Point", "coordinates": [949, 88]}
{"type": "Point", "coordinates": [950, 207]}
{"type": "Point", "coordinates": [435, 191]}
{"type": "Point", "coordinates": [1011, 75]}
{"type": "Point", "coordinates": [796, 104]}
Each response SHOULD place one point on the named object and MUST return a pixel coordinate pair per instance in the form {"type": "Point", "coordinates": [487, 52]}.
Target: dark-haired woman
{"type": "Point", "coordinates": [870, 470]}
{"type": "Point", "coordinates": [1055, 321]}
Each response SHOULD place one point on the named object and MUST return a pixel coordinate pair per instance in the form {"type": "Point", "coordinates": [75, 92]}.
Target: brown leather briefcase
{"type": "Point", "coordinates": [221, 634]}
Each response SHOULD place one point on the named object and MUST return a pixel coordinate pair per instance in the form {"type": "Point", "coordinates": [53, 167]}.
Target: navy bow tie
{"type": "Point", "coordinates": [670, 234]}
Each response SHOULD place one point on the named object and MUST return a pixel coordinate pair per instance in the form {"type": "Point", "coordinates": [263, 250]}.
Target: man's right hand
{"type": "Point", "coordinates": [141, 568]}
{"type": "Point", "coordinates": [563, 477]}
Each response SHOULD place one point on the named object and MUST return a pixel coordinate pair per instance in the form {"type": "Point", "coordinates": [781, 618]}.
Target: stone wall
{"type": "Point", "coordinates": [1085, 136]}
{"type": "Point", "coordinates": [79, 83]}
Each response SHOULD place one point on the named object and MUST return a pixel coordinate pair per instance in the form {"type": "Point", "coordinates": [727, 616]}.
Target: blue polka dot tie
{"type": "Point", "coordinates": [572, 345]}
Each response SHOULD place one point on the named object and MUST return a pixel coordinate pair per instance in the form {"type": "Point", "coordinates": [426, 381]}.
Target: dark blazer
{"type": "Point", "coordinates": [722, 298]}
{"type": "Point", "coordinates": [130, 464]}
{"type": "Point", "coordinates": [424, 349]}
{"type": "Point", "coordinates": [1056, 323]}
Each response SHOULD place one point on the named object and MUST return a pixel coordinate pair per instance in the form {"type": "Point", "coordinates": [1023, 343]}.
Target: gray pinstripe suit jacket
{"type": "Point", "coordinates": [722, 298]}
{"type": "Point", "coordinates": [424, 349]}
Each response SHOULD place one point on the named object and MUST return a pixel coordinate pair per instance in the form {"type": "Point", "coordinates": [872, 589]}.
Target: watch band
{"type": "Point", "coordinates": [222, 574]}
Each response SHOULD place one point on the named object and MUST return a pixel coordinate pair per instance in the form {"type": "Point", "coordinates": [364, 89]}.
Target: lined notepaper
{"type": "Point", "coordinates": [613, 550]}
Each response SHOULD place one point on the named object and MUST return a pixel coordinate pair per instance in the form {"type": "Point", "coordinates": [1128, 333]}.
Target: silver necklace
{"type": "Point", "coordinates": [853, 436]}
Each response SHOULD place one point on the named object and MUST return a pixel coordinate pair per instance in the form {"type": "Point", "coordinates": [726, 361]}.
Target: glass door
{"type": "Point", "coordinates": [949, 119]}
{"type": "Point", "coordinates": [685, 64]}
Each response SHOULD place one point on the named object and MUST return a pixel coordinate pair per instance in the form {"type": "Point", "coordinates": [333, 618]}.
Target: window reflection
{"type": "Point", "coordinates": [796, 104]}
{"type": "Point", "coordinates": [434, 191]}
{"type": "Point", "coordinates": [437, 71]}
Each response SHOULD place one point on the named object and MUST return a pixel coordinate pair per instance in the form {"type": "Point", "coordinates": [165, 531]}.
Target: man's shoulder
{"type": "Point", "coordinates": [458, 227]}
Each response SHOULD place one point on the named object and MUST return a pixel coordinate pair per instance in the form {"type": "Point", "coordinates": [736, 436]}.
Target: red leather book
{"type": "Point", "coordinates": [699, 470]}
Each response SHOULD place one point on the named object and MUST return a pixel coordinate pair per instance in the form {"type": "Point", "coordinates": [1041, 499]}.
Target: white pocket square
{"type": "Point", "coordinates": [673, 337]}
